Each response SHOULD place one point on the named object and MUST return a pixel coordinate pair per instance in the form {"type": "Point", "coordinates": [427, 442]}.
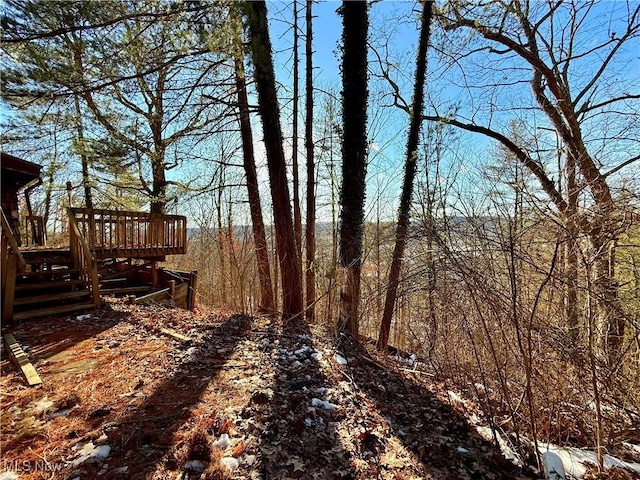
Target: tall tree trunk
{"type": "Point", "coordinates": [290, 267]}
{"type": "Point", "coordinates": [86, 181]}
{"type": "Point", "coordinates": [355, 94]}
{"type": "Point", "coordinates": [311, 180]}
{"type": "Point", "coordinates": [571, 300]}
{"type": "Point", "coordinates": [297, 217]}
{"type": "Point", "coordinates": [255, 207]}
{"type": "Point", "coordinates": [159, 188]}
{"type": "Point", "coordinates": [409, 176]}
{"type": "Point", "coordinates": [220, 239]}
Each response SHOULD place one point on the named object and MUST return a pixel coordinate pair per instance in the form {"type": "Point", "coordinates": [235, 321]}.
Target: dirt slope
{"type": "Point", "coordinates": [241, 399]}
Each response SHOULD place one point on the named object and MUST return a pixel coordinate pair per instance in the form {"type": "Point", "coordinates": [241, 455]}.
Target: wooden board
{"type": "Point", "coordinates": [181, 294]}
{"type": "Point", "coordinates": [176, 335]}
{"type": "Point", "coordinates": [20, 359]}
{"type": "Point", "coordinates": [158, 296]}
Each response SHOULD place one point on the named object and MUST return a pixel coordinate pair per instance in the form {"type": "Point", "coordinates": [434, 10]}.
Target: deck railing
{"type": "Point", "coordinates": [9, 239]}
{"type": "Point", "coordinates": [114, 233]}
{"type": "Point", "coordinates": [83, 259]}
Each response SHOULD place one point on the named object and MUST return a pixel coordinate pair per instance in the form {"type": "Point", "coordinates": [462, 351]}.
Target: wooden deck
{"type": "Point", "coordinates": [119, 234]}
{"type": "Point", "coordinates": [40, 280]}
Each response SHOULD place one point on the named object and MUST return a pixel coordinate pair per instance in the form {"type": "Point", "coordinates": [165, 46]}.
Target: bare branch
{"type": "Point", "coordinates": [547, 184]}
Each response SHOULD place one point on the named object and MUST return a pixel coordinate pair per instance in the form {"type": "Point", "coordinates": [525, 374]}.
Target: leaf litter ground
{"type": "Point", "coordinates": [241, 399]}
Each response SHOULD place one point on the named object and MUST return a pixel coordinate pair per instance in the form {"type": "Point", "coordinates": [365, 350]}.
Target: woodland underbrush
{"type": "Point", "coordinates": [490, 324]}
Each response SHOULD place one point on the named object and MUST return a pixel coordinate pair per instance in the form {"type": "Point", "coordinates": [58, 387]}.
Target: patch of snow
{"type": "Point", "coordinates": [304, 349]}
{"type": "Point", "coordinates": [409, 361]}
{"type": "Point", "coordinates": [402, 433]}
{"type": "Point", "coordinates": [123, 469]}
{"type": "Point", "coordinates": [321, 389]}
{"type": "Point", "coordinates": [454, 397]}
{"type": "Point", "coordinates": [574, 460]}
{"type": "Point", "coordinates": [223, 442]}
{"type": "Point", "coordinates": [91, 453]}
{"type": "Point", "coordinates": [632, 446]}
{"type": "Point", "coordinates": [61, 413]}
{"type": "Point", "coordinates": [195, 465]}
{"type": "Point", "coordinates": [230, 463]}
{"type": "Point", "coordinates": [316, 402]}
{"type": "Point", "coordinates": [508, 452]}
{"type": "Point", "coordinates": [553, 467]}
{"type": "Point", "coordinates": [339, 359]}
{"type": "Point", "coordinates": [265, 342]}
{"type": "Point", "coordinates": [9, 476]}
{"type": "Point", "coordinates": [297, 364]}
{"type": "Point", "coordinates": [84, 317]}
{"type": "Point", "coordinates": [316, 356]}
{"type": "Point", "coordinates": [308, 422]}
{"type": "Point", "coordinates": [248, 459]}
{"type": "Point", "coordinates": [462, 450]}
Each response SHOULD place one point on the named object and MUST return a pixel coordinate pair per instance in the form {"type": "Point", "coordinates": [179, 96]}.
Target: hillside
{"type": "Point", "coordinates": [239, 399]}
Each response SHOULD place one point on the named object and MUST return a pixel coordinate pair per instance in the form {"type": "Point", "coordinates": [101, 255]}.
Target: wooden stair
{"type": "Point", "coordinates": [49, 286]}
{"type": "Point", "coordinates": [120, 286]}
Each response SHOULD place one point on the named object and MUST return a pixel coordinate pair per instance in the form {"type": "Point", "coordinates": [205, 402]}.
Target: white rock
{"type": "Point", "coordinates": [339, 359]}
{"type": "Point", "coordinates": [302, 350]}
{"type": "Point", "coordinates": [316, 402]}
{"type": "Point", "coordinates": [223, 442]}
{"type": "Point", "coordinates": [230, 463]}
{"type": "Point", "coordinates": [248, 459]}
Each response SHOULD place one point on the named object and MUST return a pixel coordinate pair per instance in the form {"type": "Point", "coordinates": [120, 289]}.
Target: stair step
{"type": "Point", "coordinates": [115, 291]}
{"type": "Point", "coordinates": [57, 257]}
{"type": "Point", "coordinates": [19, 316]}
{"type": "Point", "coordinates": [51, 297]}
{"type": "Point", "coordinates": [47, 285]}
{"type": "Point", "coordinates": [57, 272]}
{"type": "Point", "coordinates": [51, 260]}
{"type": "Point", "coordinates": [112, 280]}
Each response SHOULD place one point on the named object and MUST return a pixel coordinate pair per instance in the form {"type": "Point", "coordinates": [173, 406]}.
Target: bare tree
{"type": "Point", "coordinates": [290, 267]}
{"type": "Point", "coordinates": [295, 177]}
{"type": "Point", "coordinates": [255, 206]}
{"type": "Point", "coordinates": [565, 77]}
{"type": "Point", "coordinates": [311, 176]}
{"type": "Point", "coordinates": [355, 21]}
{"type": "Point", "coordinates": [409, 176]}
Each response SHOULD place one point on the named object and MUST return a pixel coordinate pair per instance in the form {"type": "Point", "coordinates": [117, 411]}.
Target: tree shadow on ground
{"type": "Point", "coordinates": [45, 338]}
{"type": "Point", "coordinates": [142, 437]}
{"type": "Point", "coordinates": [298, 439]}
{"type": "Point", "coordinates": [142, 434]}
{"type": "Point", "coordinates": [446, 446]}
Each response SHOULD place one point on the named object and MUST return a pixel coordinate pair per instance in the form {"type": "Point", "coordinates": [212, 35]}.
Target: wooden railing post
{"type": "Point", "coordinates": [83, 257]}
{"type": "Point", "coordinates": [8, 234]}
{"type": "Point", "coordinates": [9, 288]}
